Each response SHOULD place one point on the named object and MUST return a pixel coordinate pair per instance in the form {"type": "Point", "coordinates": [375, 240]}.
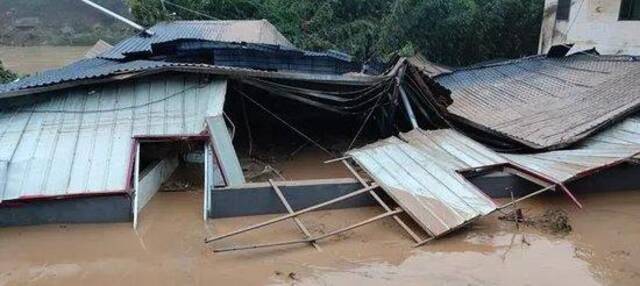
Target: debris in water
{"type": "Point", "coordinates": [554, 221]}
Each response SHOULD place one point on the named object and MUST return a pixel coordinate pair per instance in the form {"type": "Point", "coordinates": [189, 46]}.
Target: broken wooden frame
{"type": "Point", "coordinates": [416, 238]}
{"type": "Point", "coordinates": [301, 226]}
{"type": "Point", "coordinates": [295, 214]}
{"type": "Point", "coordinates": [522, 172]}
{"type": "Point", "coordinates": [515, 170]}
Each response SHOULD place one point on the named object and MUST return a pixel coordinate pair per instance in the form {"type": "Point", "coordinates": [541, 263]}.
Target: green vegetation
{"type": "Point", "coordinates": [6, 75]}
{"type": "Point", "coordinates": [453, 32]}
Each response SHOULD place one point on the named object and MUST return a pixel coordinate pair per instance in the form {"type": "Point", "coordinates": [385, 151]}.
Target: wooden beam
{"type": "Point", "coordinates": [547, 188]}
{"type": "Point", "coordinates": [382, 203]}
{"type": "Point", "coordinates": [337, 159]}
{"type": "Point", "coordinates": [301, 226]}
{"type": "Point", "coordinates": [335, 232]}
{"type": "Point", "coordinates": [297, 213]}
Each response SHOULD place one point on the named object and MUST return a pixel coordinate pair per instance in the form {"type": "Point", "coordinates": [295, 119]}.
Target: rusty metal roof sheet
{"type": "Point", "coordinates": [247, 31]}
{"type": "Point", "coordinates": [545, 103]}
{"type": "Point", "coordinates": [435, 196]}
{"type": "Point", "coordinates": [428, 67]}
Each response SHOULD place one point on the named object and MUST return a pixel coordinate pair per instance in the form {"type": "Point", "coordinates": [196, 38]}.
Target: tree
{"type": "Point", "coordinates": [452, 32]}
{"type": "Point", "coordinates": [6, 75]}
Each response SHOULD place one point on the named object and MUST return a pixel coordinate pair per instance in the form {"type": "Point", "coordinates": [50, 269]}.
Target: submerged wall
{"type": "Point", "coordinates": [94, 209]}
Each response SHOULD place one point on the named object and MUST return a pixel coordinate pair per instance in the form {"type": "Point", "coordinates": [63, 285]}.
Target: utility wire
{"type": "Point", "coordinates": [286, 123]}
{"type": "Point", "coordinates": [574, 20]}
{"type": "Point", "coordinates": [190, 10]}
{"type": "Point", "coordinates": [22, 110]}
{"type": "Point", "coordinates": [247, 125]}
{"type": "Point", "coordinates": [364, 123]}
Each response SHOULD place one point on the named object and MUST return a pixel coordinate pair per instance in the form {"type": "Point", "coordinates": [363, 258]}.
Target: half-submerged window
{"type": "Point", "coordinates": [564, 7]}
{"type": "Point", "coordinates": [630, 10]}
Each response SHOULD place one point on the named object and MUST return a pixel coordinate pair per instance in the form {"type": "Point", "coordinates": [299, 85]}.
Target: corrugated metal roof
{"type": "Point", "coordinates": [248, 31]}
{"type": "Point", "coordinates": [546, 102]}
{"type": "Point", "coordinates": [101, 68]}
{"type": "Point", "coordinates": [83, 69]}
{"type": "Point", "coordinates": [434, 195]}
{"type": "Point", "coordinates": [617, 143]}
{"type": "Point", "coordinates": [427, 67]}
{"type": "Point", "coordinates": [80, 140]}
{"type": "Point", "coordinates": [452, 149]}
{"type": "Point", "coordinates": [421, 174]}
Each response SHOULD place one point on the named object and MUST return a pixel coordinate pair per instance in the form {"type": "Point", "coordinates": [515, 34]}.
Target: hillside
{"type": "Point", "coordinates": [67, 22]}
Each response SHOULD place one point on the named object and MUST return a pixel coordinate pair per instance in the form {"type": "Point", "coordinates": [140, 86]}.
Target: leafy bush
{"type": "Point", "coordinates": [453, 32]}
{"type": "Point", "coordinates": [6, 75]}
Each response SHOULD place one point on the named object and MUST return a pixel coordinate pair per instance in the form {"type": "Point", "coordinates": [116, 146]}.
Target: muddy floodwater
{"type": "Point", "coordinates": [27, 60]}
{"type": "Point", "coordinates": [168, 249]}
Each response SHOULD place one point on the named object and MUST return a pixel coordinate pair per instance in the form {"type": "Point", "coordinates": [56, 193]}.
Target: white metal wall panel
{"type": "Point", "coordinates": [79, 140]}
{"type": "Point", "coordinates": [150, 182]}
{"type": "Point", "coordinates": [223, 148]}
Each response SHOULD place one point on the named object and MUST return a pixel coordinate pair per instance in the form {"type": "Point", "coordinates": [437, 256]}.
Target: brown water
{"type": "Point", "coordinates": [167, 249]}
{"type": "Point", "coordinates": [27, 60]}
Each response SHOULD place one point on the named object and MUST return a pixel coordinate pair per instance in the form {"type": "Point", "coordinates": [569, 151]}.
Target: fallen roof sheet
{"type": "Point", "coordinates": [542, 102]}
{"type": "Point", "coordinates": [436, 197]}
{"type": "Point", "coordinates": [79, 141]}
{"type": "Point", "coordinates": [606, 149]}
{"type": "Point", "coordinates": [452, 149]}
{"type": "Point", "coordinates": [247, 31]}
{"type": "Point", "coordinates": [421, 172]}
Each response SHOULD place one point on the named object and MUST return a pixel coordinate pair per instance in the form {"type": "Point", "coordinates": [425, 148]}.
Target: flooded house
{"type": "Point", "coordinates": [94, 140]}
{"type": "Point", "coordinates": [214, 106]}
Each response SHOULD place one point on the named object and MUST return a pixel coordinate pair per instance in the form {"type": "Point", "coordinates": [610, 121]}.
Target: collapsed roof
{"type": "Point", "coordinates": [542, 102]}
{"type": "Point", "coordinates": [427, 168]}
{"type": "Point", "coordinates": [60, 105]}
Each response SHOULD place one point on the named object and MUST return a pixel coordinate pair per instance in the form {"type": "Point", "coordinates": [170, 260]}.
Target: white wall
{"type": "Point", "coordinates": [592, 23]}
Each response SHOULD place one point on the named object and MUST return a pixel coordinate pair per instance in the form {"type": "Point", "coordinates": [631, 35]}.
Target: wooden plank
{"type": "Point", "coordinates": [335, 232]}
{"type": "Point", "coordinates": [297, 213]}
{"type": "Point", "coordinates": [301, 226]}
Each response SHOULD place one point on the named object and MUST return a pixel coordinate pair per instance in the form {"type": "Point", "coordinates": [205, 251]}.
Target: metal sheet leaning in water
{"type": "Point", "coordinates": [436, 197]}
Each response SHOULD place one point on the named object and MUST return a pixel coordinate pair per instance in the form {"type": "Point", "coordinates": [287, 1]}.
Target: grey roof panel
{"type": "Point", "coordinates": [248, 31]}
{"type": "Point", "coordinates": [101, 68]}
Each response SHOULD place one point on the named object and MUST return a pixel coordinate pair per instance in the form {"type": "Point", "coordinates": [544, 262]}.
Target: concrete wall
{"type": "Point", "coordinates": [592, 23]}
{"type": "Point", "coordinates": [259, 198]}
{"type": "Point", "coordinates": [94, 209]}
